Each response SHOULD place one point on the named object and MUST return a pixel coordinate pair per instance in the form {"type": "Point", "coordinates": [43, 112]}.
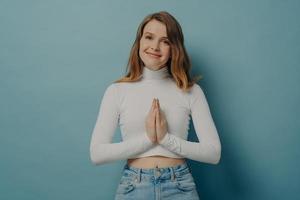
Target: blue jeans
{"type": "Point", "coordinates": [174, 183]}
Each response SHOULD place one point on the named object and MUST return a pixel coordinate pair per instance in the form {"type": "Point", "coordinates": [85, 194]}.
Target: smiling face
{"type": "Point", "coordinates": [154, 48]}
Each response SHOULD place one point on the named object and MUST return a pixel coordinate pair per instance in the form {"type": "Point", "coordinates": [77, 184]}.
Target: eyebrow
{"type": "Point", "coordinates": [154, 34]}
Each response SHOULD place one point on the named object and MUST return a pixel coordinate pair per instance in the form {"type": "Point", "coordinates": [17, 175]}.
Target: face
{"type": "Point", "coordinates": [154, 48]}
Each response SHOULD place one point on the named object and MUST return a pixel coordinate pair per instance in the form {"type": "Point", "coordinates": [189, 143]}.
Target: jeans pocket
{"type": "Point", "coordinates": [185, 183]}
{"type": "Point", "coordinates": [126, 184]}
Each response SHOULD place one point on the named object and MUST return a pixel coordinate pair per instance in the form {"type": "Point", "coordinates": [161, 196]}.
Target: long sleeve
{"type": "Point", "coordinates": [102, 150]}
{"type": "Point", "coordinates": [208, 149]}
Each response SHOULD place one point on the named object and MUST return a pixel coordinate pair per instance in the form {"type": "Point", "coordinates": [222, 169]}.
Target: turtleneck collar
{"type": "Point", "coordinates": [149, 74]}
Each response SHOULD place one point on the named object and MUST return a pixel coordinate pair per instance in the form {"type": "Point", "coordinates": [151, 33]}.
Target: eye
{"type": "Point", "coordinates": [167, 42]}
{"type": "Point", "coordinates": [148, 37]}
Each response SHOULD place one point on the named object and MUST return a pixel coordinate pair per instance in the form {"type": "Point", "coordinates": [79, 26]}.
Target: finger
{"type": "Point", "coordinates": [153, 105]}
{"type": "Point", "coordinates": [157, 115]}
{"type": "Point", "coordinates": [154, 109]}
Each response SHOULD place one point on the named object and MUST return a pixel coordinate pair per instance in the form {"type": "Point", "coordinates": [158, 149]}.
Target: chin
{"type": "Point", "coordinates": [153, 66]}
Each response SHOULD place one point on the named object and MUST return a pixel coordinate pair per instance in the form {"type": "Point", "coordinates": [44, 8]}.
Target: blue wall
{"type": "Point", "coordinates": [57, 58]}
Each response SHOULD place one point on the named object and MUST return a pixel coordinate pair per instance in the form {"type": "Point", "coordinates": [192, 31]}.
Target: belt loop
{"type": "Point", "coordinates": [172, 174]}
{"type": "Point", "coordinates": [139, 175]}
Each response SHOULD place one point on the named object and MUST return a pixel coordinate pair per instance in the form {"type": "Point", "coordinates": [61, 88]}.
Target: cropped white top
{"type": "Point", "coordinates": [127, 105]}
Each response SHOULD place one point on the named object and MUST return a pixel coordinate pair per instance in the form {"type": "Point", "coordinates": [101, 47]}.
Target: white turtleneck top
{"type": "Point", "coordinates": [127, 104]}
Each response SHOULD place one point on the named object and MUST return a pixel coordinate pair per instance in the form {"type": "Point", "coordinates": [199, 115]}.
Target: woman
{"type": "Point", "coordinates": [152, 104]}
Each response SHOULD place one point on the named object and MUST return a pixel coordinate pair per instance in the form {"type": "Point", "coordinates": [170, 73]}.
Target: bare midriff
{"type": "Point", "coordinates": [155, 162]}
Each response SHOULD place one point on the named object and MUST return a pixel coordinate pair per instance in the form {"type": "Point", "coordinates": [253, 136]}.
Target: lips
{"type": "Point", "coordinates": [153, 54]}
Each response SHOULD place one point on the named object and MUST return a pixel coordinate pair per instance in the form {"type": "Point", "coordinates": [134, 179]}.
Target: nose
{"type": "Point", "coordinates": [155, 46]}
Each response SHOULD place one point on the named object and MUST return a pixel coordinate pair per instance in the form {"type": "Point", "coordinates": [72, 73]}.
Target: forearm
{"type": "Point", "coordinates": [101, 153]}
{"type": "Point", "coordinates": [203, 151]}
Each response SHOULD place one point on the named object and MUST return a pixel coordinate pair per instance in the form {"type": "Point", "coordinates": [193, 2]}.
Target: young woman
{"type": "Point", "coordinates": [153, 104]}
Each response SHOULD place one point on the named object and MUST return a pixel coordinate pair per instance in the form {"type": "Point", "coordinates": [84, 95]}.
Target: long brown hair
{"type": "Point", "coordinates": [179, 63]}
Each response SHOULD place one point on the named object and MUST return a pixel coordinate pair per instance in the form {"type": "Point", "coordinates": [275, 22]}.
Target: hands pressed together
{"type": "Point", "coordinates": [156, 123]}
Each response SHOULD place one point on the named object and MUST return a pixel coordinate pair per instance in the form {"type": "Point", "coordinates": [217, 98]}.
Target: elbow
{"type": "Point", "coordinates": [98, 155]}
{"type": "Point", "coordinates": [217, 154]}
{"type": "Point", "coordinates": [217, 159]}
{"type": "Point", "coordinates": [98, 159]}
{"type": "Point", "coordinates": [93, 161]}
{"type": "Point", "coordinates": [93, 158]}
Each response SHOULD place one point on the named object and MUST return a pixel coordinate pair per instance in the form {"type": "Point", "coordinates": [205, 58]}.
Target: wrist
{"type": "Point", "coordinates": [163, 139]}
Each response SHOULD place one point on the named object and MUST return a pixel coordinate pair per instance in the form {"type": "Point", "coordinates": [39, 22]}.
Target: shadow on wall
{"type": "Point", "coordinates": [231, 177]}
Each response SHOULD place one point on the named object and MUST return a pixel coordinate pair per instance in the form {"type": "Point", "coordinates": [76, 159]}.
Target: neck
{"type": "Point", "coordinates": [160, 74]}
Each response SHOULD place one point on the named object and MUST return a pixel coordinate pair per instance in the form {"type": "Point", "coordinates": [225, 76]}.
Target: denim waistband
{"type": "Point", "coordinates": [150, 171]}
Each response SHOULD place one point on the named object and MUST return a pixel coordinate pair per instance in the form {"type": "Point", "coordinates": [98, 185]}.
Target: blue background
{"type": "Point", "coordinates": [58, 57]}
